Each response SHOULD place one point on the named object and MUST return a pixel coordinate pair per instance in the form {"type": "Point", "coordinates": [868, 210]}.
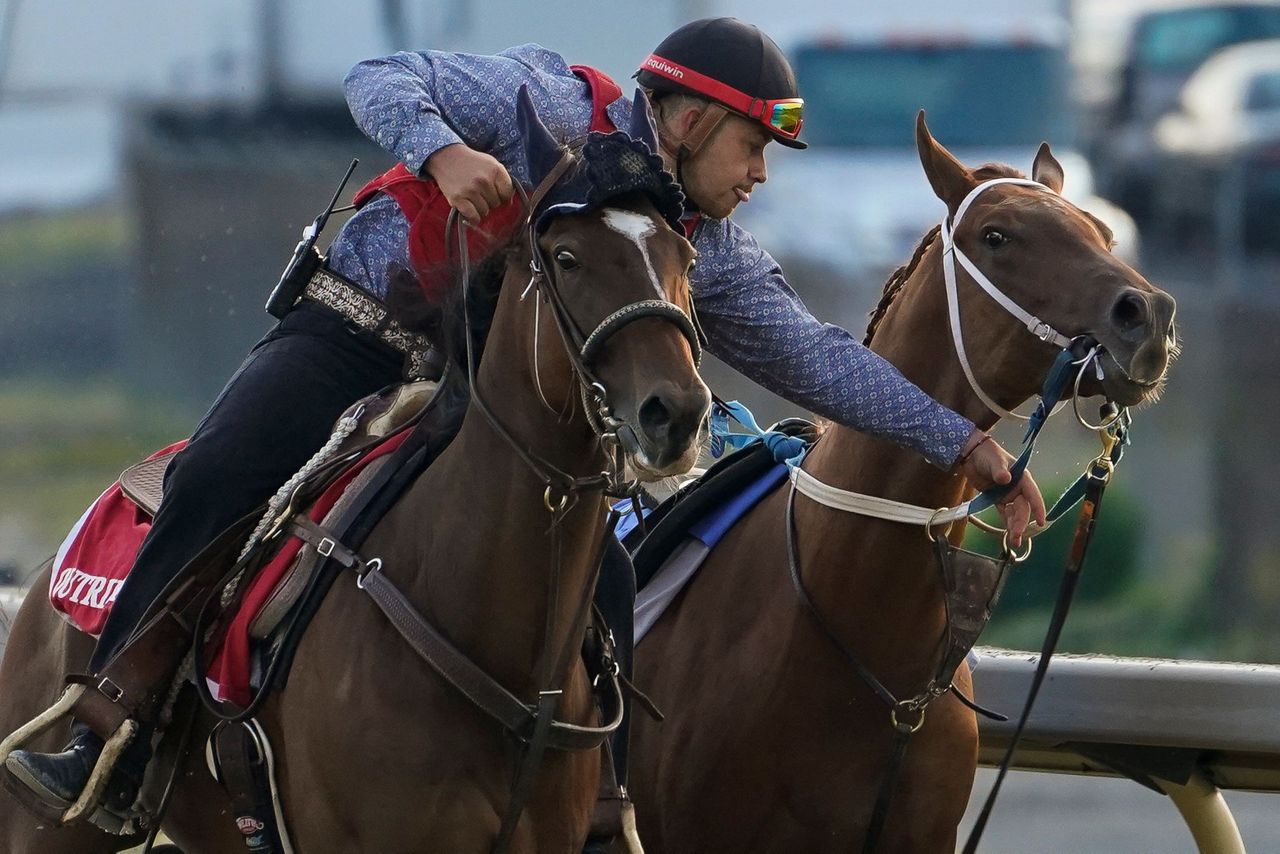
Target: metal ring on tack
{"type": "Point", "coordinates": [906, 706]}
{"type": "Point", "coordinates": [930, 523]}
{"type": "Point", "coordinates": [1075, 398]}
{"type": "Point", "coordinates": [1013, 555]}
{"type": "Point", "coordinates": [546, 500]}
{"type": "Point", "coordinates": [374, 565]}
{"type": "Point", "coordinates": [984, 525]}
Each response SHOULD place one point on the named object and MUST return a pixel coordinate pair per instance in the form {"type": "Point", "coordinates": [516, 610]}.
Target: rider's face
{"type": "Point", "coordinates": [727, 167]}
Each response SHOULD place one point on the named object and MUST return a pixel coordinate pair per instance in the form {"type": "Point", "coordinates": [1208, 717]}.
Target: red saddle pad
{"type": "Point", "coordinates": [96, 556]}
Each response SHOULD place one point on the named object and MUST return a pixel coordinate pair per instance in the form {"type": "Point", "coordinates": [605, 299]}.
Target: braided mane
{"type": "Point", "coordinates": [895, 283]}
{"type": "Point", "coordinates": [899, 276]}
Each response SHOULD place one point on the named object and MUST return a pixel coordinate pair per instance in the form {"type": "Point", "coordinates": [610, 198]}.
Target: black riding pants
{"type": "Point", "coordinates": [274, 414]}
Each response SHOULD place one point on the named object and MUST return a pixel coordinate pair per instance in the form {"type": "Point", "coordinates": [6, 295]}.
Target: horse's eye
{"type": "Point", "coordinates": [994, 239]}
{"type": "Point", "coordinates": [566, 259]}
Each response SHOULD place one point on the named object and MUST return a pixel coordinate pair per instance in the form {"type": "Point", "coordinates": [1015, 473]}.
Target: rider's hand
{"type": "Point", "coordinates": [985, 464]}
{"type": "Point", "coordinates": [472, 181]}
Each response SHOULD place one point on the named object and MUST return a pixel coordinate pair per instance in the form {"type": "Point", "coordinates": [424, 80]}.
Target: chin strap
{"type": "Point", "coordinates": [702, 129]}
{"type": "Point", "coordinates": [680, 150]}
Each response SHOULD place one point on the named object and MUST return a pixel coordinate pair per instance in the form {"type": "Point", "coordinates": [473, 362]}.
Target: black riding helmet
{"type": "Point", "coordinates": [734, 65]}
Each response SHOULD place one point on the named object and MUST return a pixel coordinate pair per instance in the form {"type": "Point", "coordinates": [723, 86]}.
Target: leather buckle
{"type": "Point", "coordinates": [110, 690]}
{"type": "Point", "coordinates": [326, 547]}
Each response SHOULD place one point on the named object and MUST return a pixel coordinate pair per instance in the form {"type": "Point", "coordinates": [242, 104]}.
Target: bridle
{"type": "Point", "coordinates": [561, 489]}
{"type": "Point", "coordinates": [581, 349]}
{"type": "Point", "coordinates": [951, 253]}
{"type": "Point", "coordinates": [1076, 357]}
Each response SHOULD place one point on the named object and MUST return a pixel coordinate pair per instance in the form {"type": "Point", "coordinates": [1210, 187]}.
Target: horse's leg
{"type": "Point", "coordinates": [40, 651]}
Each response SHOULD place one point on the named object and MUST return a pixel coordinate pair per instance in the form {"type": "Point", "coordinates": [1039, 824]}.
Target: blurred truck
{"type": "Point", "coordinates": [994, 83]}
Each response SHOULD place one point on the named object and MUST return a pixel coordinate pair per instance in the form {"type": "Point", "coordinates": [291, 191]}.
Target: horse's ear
{"type": "Point", "coordinates": [541, 149]}
{"type": "Point", "coordinates": [1046, 169]}
{"type": "Point", "coordinates": [642, 126]}
{"type": "Point", "coordinates": [951, 182]}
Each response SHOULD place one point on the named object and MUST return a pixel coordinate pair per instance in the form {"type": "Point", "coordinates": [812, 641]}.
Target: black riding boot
{"type": "Point", "coordinates": [272, 416]}
{"type": "Point", "coordinates": [59, 778]}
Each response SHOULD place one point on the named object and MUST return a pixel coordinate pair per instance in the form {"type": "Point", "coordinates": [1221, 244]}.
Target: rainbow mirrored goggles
{"type": "Point", "coordinates": [782, 116]}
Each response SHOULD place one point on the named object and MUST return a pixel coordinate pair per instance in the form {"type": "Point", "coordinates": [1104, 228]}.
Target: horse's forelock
{"type": "Point", "coordinates": [992, 171]}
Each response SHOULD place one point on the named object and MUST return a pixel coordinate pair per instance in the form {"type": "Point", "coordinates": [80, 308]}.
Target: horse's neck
{"type": "Point", "coordinates": [915, 337]}
{"type": "Point", "coordinates": [876, 580]}
{"type": "Point", "coordinates": [487, 575]}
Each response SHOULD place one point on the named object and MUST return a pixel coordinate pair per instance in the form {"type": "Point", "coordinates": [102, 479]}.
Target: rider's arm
{"type": "Point", "coordinates": [413, 104]}
{"type": "Point", "coordinates": [757, 324]}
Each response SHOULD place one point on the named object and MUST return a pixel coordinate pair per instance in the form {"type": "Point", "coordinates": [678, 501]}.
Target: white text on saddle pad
{"type": "Point", "coordinates": [93, 591]}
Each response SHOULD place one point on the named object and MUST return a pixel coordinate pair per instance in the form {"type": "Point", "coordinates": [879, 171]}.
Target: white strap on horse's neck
{"type": "Point", "coordinates": [951, 254]}
{"type": "Point", "coordinates": [871, 505]}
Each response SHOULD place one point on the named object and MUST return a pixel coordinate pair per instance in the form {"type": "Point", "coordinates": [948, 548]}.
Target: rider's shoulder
{"type": "Point", "coordinates": [538, 58]}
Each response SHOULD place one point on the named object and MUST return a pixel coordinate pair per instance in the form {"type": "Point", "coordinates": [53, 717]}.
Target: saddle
{"type": "Point", "coordinates": [384, 413]}
{"type": "Point", "coordinates": [97, 554]}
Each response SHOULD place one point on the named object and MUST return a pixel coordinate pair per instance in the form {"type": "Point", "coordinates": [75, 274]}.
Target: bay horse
{"type": "Point", "coordinates": [374, 750]}
{"type": "Point", "coordinates": [772, 742]}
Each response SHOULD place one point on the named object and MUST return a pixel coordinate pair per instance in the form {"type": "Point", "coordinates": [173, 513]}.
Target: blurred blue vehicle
{"type": "Point", "coordinates": [1165, 47]}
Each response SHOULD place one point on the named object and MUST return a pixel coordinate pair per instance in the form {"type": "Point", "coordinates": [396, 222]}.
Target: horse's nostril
{"type": "Point", "coordinates": [1130, 312]}
{"type": "Point", "coordinates": [655, 417]}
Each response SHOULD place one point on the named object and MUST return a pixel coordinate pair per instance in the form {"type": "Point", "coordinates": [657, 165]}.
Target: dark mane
{"type": "Point", "coordinates": [899, 276]}
{"type": "Point", "coordinates": [444, 323]}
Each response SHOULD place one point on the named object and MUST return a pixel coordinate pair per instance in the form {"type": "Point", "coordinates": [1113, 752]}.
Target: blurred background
{"type": "Point", "coordinates": [158, 161]}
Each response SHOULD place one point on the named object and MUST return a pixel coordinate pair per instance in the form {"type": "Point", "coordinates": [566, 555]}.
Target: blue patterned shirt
{"type": "Point", "coordinates": [414, 104]}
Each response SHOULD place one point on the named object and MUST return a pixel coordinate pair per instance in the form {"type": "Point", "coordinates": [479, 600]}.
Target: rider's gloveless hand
{"type": "Point", "coordinates": [986, 464]}
{"type": "Point", "coordinates": [473, 182]}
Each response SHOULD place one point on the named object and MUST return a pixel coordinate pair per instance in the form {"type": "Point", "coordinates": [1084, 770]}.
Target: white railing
{"type": "Point", "coordinates": [1185, 728]}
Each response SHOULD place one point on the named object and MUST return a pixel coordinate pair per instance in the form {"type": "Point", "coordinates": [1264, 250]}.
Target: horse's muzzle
{"type": "Point", "coordinates": [1139, 346]}
{"type": "Point", "coordinates": [668, 426]}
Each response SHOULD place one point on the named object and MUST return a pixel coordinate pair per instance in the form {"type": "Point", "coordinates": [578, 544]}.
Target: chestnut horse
{"type": "Point", "coordinates": [374, 750]}
{"type": "Point", "coordinates": [772, 742]}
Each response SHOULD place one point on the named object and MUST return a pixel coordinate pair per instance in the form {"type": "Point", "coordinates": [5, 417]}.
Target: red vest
{"type": "Point", "coordinates": [427, 210]}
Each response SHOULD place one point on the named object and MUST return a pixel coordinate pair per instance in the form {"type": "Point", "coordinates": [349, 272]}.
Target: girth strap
{"type": "Point", "coordinates": [446, 659]}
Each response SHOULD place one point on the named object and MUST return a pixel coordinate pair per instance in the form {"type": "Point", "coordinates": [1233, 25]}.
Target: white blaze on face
{"type": "Point", "coordinates": [637, 228]}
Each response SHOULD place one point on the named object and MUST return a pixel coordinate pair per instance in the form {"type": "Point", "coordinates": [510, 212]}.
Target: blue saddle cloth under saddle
{"type": "Point", "coordinates": [719, 518]}
{"type": "Point", "coordinates": [686, 526]}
